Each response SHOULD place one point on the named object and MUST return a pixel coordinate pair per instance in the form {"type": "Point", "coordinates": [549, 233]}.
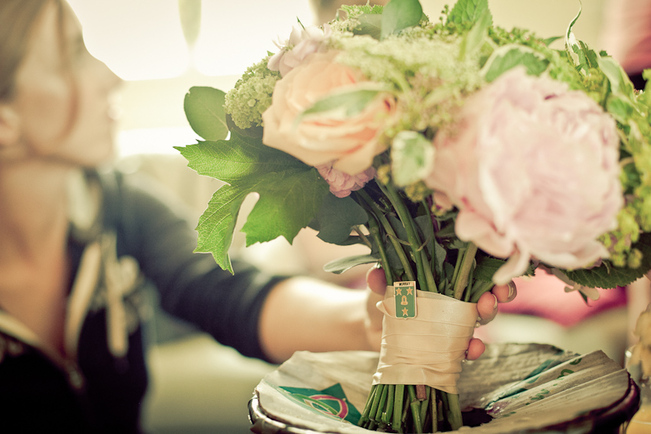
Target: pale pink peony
{"type": "Point", "coordinates": [302, 42]}
{"type": "Point", "coordinates": [350, 143]}
{"type": "Point", "coordinates": [342, 184]}
{"type": "Point", "coordinates": [533, 169]}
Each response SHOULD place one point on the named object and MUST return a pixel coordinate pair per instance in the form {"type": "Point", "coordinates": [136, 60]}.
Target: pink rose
{"type": "Point", "coordinates": [302, 42]}
{"type": "Point", "coordinates": [533, 169]}
{"type": "Point", "coordinates": [342, 184]}
{"type": "Point", "coordinates": [349, 143]}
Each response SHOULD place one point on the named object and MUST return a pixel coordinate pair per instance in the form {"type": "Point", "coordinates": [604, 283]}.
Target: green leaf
{"type": "Point", "coordinates": [289, 200]}
{"type": "Point", "coordinates": [338, 266]}
{"type": "Point", "coordinates": [336, 218]}
{"type": "Point", "coordinates": [621, 109]}
{"type": "Point", "coordinates": [412, 157]}
{"type": "Point", "coordinates": [399, 15]}
{"type": "Point", "coordinates": [290, 193]}
{"type": "Point", "coordinates": [572, 46]}
{"type": "Point", "coordinates": [549, 41]}
{"type": "Point", "coordinates": [237, 158]}
{"type": "Point", "coordinates": [621, 101]}
{"type": "Point", "coordinates": [217, 224]}
{"type": "Point", "coordinates": [474, 39]}
{"type": "Point", "coordinates": [510, 56]}
{"type": "Point", "coordinates": [605, 276]}
{"type": "Point", "coordinates": [369, 24]}
{"type": "Point", "coordinates": [204, 109]}
{"type": "Point", "coordinates": [609, 276]}
{"type": "Point", "coordinates": [619, 82]}
{"type": "Point", "coordinates": [468, 12]}
{"type": "Point", "coordinates": [343, 104]}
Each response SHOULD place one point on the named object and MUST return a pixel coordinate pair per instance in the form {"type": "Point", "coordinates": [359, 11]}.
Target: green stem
{"type": "Point", "coordinates": [425, 276]}
{"type": "Point", "coordinates": [381, 405]}
{"type": "Point", "coordinates": [479, 290]}
{"type": "Point", "coordinates": [388, 411]}
{"type": "Point", "coordinates": [467, 262]}
{"type": "Point", "coordinates": [362, 237]}
{"type": "Point", "coordinates": [430, 219]}
{"type": "Point", "coordinates": [414, 405]}
{"type": "Point", "coordinates": [433, 402]}
{"type": "Point", "coordinates": [393, 238]}
{"type": "Point", "coordinates": [467, 294]}
{"type": "Point", "coordinates": [367, 407]}
{"type": "Point", "coordinates": [398, 405]}
{"type": "Point", "coordinates": [376, 402]}
{"type": "Point", "coordinates": [374, 230]}
{"type": "Point", "coordinates": [454, 411]}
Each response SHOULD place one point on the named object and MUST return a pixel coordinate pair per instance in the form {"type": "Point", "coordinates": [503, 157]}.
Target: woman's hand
{"type": "Point", "coordinates": [486, 309]}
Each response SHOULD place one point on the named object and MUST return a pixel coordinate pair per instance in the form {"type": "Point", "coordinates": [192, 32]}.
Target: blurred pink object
{"type": "Point", "coordinates": [544, 296]}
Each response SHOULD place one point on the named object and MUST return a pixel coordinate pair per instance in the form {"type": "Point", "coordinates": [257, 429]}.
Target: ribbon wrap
{"type": "Point", "coordinates": [427, 349]}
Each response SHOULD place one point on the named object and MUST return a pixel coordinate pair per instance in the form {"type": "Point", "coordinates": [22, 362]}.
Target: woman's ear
{"type": "Point", "coordinates": [9, 126]}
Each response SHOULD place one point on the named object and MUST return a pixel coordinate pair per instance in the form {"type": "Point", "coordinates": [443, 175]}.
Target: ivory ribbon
{"type": "Point", "coordinates": [429, 348]}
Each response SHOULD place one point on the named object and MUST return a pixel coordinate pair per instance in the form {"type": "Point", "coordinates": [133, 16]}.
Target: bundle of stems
{"type": "Point", "coordinates": [405, 236]}
{"type": "Point", "coordinates": [410, 408]}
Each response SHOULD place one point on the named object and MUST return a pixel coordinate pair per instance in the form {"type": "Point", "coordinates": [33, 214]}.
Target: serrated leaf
{"type": "Point", "coordinates": [290, 192]}
{"type": "Point", "coordinates": [289, 200]}
{"type": "Point", "coordinates": [338, 266]}
{"type": "Point", "coordinates": [412, 157]}
{"type": "Point", "coordinates": [336, 218]}
{"type": "Point", "coordinates": [204, 109]}
{"type": "Point", "coordinates": [609, 276]}
{"type": "Point", "coordinates": [605, 276]}
{"type": "Point", "coordinates": [398, 15]}
{"type": "Point", "coordinates": [468, 12]}
{"type": "Point", "coordinates": [509, 56]}
{"type": "Point", "coordinates": [236, 158]}
{"type": "Point", "coordinates": [217, 224]}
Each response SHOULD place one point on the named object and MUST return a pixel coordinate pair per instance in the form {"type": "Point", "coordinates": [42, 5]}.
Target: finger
{"type": "Point", "coordinates": [376, 280]}
{"type": "Point", "coordinates": [505, 293]}
{"type": "Point", "coordinates": [475, 349]}
{"type": "Point", "coordinates": [486, 308]}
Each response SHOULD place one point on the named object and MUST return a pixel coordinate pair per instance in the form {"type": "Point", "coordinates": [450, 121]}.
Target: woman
{"type": "Point", "coordinates": [79, 245]}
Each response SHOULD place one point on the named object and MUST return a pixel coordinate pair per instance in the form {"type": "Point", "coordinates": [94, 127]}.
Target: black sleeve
{"type": "Point", "coordinates": [191, 285]}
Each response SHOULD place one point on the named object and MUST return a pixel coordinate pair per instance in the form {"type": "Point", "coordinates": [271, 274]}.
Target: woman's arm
{"type": "Point", "coordinates": [306, 314]}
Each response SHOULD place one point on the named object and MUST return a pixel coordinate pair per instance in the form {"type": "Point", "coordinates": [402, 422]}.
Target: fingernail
{"type": "Point", "coordinates": [511, 286]}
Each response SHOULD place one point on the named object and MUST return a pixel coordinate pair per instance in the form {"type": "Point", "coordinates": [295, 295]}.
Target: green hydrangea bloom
{"type": "Point", "coordinates": [251, 95]}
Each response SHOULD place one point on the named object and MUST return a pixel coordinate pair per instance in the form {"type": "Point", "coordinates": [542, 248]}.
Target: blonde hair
{"type": "Point", "coordinates": [17, 21]}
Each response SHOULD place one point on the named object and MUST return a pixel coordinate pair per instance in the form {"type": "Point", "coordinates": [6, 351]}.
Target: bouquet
{"type": "Point", "coordinates": [461, 154]}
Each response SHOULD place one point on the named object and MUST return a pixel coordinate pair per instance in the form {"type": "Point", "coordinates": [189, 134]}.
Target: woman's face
{"type": "Point", "coordinates": [63, 103]}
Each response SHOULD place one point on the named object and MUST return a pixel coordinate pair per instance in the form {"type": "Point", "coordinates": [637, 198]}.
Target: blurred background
{"type": "Point", "coordinates": [161, 48]}
{"type": "Point", "coordinates": [161, 53]}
